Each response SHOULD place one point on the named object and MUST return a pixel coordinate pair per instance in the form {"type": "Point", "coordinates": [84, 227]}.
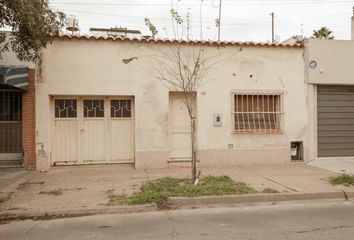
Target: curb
{"type": "Point", "coordinates": [257, 198]}
{"type": "Point", "coordinates": [8, 216]}
{"type": "Point", "coordinates": [179, 202]}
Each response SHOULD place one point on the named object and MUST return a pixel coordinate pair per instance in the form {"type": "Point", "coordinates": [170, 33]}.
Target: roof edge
{"type": "Point", "coordinates": [175, 41]}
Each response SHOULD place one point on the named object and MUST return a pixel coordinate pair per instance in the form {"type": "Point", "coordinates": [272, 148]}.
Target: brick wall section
{"type": "Point", "coordinates": [28, 122]}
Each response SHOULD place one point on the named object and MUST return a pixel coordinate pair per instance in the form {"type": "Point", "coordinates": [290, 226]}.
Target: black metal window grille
{"type": "Point", "coordinates": [10, 106]}
{"type": "Point", "coordinates": [121, 108]}
{"type": "Point", "coordinates": [10, 122]}
{"type": "Point", "coordinates": [93, 108]}
{"type": "Point", "coordinates": [65, 108]}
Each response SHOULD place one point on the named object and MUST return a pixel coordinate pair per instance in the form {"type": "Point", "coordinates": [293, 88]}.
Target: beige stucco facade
{"type": "Point", "coordinates": [80, 67]}
{"type": "Point", "coordinates": [333, 67]}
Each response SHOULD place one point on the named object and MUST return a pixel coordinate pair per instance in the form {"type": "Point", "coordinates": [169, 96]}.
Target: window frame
{"type": "Point", "coordinates": [250, 131]}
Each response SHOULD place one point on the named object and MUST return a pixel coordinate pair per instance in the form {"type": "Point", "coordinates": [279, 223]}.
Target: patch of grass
{"type": "Point", "coordinates": [6, 198]}
{"type": "Point", "coordinates": [158, 191]}
{"type": "Point", "coordinates": [270, 190]}
{"type": "Point", "coordinates": [344, 179]}
{"type": "Point", "coordinates": [56, 192]}
{"type": "Point", "coordinates": [116, 198]}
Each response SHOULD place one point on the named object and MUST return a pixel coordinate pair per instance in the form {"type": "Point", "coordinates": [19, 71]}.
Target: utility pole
{"type": "Point", "coordinates": [219, 29]}
{"type": "Point", "coordinates": [188, 23]}
{"type": "Point", "coordinates": [272, 27]}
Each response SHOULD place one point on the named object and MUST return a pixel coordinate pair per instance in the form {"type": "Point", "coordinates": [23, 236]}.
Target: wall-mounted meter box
{"type": "Point", "coordinates": [217, 120]}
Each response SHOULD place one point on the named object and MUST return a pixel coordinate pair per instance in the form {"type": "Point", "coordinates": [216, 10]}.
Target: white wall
{"type": "Point", "coordinates": [90, 67]}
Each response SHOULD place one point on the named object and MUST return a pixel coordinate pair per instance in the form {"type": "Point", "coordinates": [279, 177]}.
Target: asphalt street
{"type": "Point", "coordinates": [322, 220]}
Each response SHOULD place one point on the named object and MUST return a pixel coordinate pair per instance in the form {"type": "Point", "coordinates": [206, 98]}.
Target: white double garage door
{"type": "Point", "coordinates": [93, 130]}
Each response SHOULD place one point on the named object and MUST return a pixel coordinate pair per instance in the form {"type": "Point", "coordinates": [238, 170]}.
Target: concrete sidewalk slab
{"type": "Point", "coordinates": [9, 176]}
{"type": "Point", "coordinates": [338, 165]}
{"type": "Point", "coordinates": [76, 188]}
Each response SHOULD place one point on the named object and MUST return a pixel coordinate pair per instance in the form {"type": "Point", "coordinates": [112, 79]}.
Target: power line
{"type": "Point", "coordinates": [224, 23]}
{"type": "Point", "coordinates": [195, 4]}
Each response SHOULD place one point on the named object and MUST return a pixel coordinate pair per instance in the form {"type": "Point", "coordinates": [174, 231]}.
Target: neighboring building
{"type": "Point", "coordinates": [114, 32]}
{"type": "Point", "coordinates": [94, 109]}
{"type": "Point", "coordinates": [17, 112]}
{"type": "Point", "coordinates": [330, 77]}
{"type": "Point", "coordinates": [294, 39]}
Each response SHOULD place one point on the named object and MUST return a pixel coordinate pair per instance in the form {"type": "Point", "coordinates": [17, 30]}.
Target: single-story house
{"type": "Point", "coordinates": [101, 100]}
{"type": "Point", "coordinates": [92, 107]}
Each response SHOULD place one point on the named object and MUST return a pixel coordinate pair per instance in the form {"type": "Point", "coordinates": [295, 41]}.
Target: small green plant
{"type": "Point", "coordinates": [270, 190]}
{"type": "Point", "coordinates": [6, 198]}
{"type": "Point", "coordinates": [28, 184]}
{"type": "Point", "coordinates": [116, 198]}
{"type": "Point", "coordinates": [56, 192]}
{"type": "Point", "coordinates": [160, 190]}
{"type": "Point", "coordinates": [344, 179]}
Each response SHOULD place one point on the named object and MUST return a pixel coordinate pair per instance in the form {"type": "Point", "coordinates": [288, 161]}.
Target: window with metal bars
{"type": "Point", "coordinates": [93, 108]}
{"type": "Point", "coordinates": [121, 108]}
{"type": "Point", "coordinates": [257, 113]}
{"type": "Point", "coordinates": [65, 108]}
{"type": "Point", "coordinates": [10, 106]}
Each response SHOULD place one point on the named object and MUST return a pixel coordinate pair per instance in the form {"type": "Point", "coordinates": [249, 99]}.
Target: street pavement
{"type": "Point", "coordinates": [325, 220]}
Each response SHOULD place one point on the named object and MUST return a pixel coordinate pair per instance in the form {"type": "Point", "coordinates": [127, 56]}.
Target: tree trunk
{"type": "Point", "coordinates": [194, 151]}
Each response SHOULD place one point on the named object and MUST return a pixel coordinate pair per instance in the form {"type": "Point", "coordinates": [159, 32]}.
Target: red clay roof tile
{"type": "Point", "coordinates": [172, 41]}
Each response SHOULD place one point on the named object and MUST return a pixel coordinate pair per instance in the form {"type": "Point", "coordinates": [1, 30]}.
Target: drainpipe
{"type": "Point", "coordinates": [353, 25]}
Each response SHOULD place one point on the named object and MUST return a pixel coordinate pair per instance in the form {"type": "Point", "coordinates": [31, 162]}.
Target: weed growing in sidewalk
{"type": "Point", "coordinates": [56, 192]}
{"type": "Point", "coordinates": [270, 190]}
{"type": "Point", "coordinates": [6, 198]}
{"type": "Point", "coordinates": [160, 190]}
{"type": "Point", "coordinates": [28, 184]}
{"type": "Point", "coordinates": [344, 179]}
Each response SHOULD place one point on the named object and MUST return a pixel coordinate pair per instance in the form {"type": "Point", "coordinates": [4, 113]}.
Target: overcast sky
{"type": "Point", "coordinates": [242, 20]}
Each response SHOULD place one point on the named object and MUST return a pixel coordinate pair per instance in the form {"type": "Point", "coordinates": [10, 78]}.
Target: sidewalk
{"type": "Point", "coordinates": [85, 187]}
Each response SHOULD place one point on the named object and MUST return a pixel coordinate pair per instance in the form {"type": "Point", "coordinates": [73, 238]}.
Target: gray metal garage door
{"type": "Point", "coordinates": [335, 121]}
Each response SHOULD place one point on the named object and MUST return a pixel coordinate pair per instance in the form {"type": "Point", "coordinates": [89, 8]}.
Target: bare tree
{"type": "Point", "coordinates": [182, 69]}
{"type": "Point", "coordinates": [182, 66]}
